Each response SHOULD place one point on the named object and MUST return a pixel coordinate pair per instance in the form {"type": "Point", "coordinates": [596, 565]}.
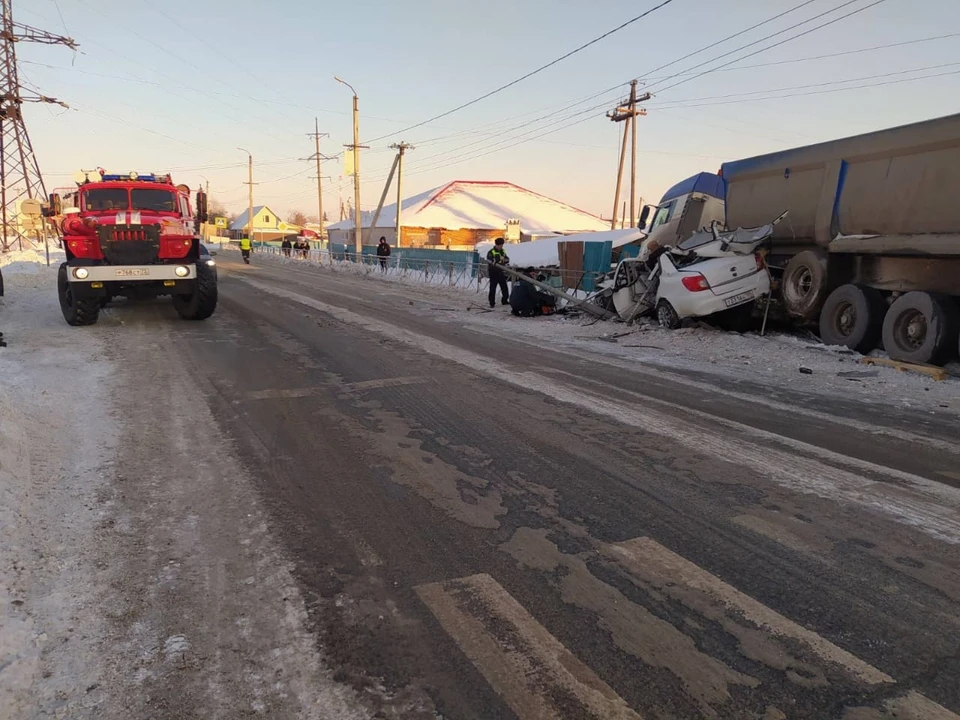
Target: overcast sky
{"type": "Point", "coordinates": [179, 85]}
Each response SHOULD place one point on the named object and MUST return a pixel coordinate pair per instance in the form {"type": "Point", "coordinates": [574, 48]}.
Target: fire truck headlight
{"type": "Point", "coordinates": [182, 271]}
{"type": "Point", "coordinates": [81, 273]}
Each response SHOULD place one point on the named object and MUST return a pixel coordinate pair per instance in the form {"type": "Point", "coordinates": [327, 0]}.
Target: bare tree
{"type": "Point", "coordinates": [297, 218]}
{"type": "Point", "coordinates": [215, 209]}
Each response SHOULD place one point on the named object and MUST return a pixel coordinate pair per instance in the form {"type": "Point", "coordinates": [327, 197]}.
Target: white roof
{"type": "Point", "coordinates": [476, 205]}
{"type": "Point", "coordinates": [544, 253]}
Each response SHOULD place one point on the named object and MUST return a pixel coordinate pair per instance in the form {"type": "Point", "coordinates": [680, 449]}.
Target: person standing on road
{"type": "Point", "coordinates": [285, 246]}
{"type": "Point", "coordinates": [245, 249]}
{"type": "Point", "coordinates": [497, 259]}
{"type": "Point", "coordinates": [383, 252]}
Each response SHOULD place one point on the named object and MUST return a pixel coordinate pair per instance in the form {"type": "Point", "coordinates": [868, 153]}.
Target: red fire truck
{"type": "Point", "coordinates": [132, 235]}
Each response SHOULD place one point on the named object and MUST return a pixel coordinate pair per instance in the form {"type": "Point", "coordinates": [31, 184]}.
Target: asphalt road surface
{"type": "Point", "coordinates": [484, 529]}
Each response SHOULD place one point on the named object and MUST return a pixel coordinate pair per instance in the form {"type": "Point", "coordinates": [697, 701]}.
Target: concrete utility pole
{"type": "Point", "coordinates": [628, 112]}
{"type": "Point", "coordinates": [250, 206]}
{"type": "Point", "coordinates": [401, 148]}
{"type": "Point", "coordinates": [383, 195]}
{"type": "Point", "coordinates": [633, 154]}
{"type": "Point", "coordinates": [317, 135]}
{"type": "Point", "coordinates": [356, 147]}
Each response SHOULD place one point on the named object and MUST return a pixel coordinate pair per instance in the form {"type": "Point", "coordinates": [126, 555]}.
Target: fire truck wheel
{"type": "Point", "coordinates": [76, 311]}
{"type": "Point", "coordinates": [201, 303]}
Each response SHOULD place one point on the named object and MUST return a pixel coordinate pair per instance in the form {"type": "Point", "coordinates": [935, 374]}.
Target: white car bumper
{"type": "Point", "coordinates": [707, 302]}
{"type": "Point", "coordinates": [131, 273]}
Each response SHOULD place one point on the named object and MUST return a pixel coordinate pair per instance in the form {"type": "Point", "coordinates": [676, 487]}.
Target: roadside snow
{"type": "Point", "coordinates": [52, 464]}
{"type": "Point", "coordinates": [137, 570]}
{"type": "Point", "coordinates": [29, 261]}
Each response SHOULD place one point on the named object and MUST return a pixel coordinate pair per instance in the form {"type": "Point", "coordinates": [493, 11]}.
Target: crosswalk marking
{"type": "Point", "coordinates": [527, 666]}
{"type": "Point", "coordinates": [672, 574]}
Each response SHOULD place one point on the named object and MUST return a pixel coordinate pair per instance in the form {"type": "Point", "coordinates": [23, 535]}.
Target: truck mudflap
{"type": "Point", "coordinates": [131, 273]}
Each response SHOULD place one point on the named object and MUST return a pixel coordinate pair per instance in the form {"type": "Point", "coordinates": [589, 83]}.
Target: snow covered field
{"type": "Point", "coordinates": [775, 360]}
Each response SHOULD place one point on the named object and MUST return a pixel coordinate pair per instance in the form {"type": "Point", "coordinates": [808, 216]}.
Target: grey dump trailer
{"type": "Point", "coordinates": [870, 250]}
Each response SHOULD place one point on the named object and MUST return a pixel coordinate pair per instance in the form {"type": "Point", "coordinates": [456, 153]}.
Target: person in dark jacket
{"type": "Point", "coordinates": [383, 252]}
{"type": "Point", "coordinates": [302, 247]}
{"type": "Point", "coordinates": [497, 259]}
{"type": "Point", "coordinates": [285, 246]}
{"type": "Point", "coordinates": [527, 300]}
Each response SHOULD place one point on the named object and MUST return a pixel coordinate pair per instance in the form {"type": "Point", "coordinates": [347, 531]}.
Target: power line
{"type": "Point", "coordinates": [729, 37]}
{"type": "Point", "coordinates": [737, 34]}
{"type": "Point", "coordinates": [735, 60]}
{"type": "Point", "coordinates": [776, 44]}
{"type": "Point", "coordinates": [816, 92]}
{"type": "Point", "coordinates": [805, 87]}
{"type": "Point", "coordinates": [827, 56]}
{"type": "Point", "coordinates": [530, 74]}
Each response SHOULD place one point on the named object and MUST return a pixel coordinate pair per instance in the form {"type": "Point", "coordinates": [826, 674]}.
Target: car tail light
{"type": "Point", "coordinates": [695, 283]}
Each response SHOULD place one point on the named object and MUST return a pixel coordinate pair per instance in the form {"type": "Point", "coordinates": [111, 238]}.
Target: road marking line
{"type": "Point", "coordinates": [925, 505]}
{"type": "Point", "coordinates": [285, 393]}
{"type": "Point", "coordinates": [526, 665]}
{"type": "Point", "coordinates": [387, 382]}
{"type": "Point", "coordinates": [651, 561]}
{"type": "Point", "coordinates": [288, 393]}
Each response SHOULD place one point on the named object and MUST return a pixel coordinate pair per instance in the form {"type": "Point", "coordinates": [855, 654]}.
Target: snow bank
{"type": "Point", "coordinates": [28, 261]}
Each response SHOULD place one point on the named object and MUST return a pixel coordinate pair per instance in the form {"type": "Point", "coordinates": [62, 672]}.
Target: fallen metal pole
{"type": "Point", "coordinates": [587, 307]}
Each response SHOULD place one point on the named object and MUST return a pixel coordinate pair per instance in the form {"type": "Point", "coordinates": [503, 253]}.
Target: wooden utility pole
{"type": "Point", "coordinates": [628, 112]}
{"type": "Point", "coordinates": [317, 135]}
{"type": "Point", "coordinates": [401, 148]}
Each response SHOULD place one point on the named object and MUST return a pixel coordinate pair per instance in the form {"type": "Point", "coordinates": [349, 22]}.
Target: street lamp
{"type": "Point", "coordinates": [250, 205]}
{"type": "Point", "coordinates": [357, 236]}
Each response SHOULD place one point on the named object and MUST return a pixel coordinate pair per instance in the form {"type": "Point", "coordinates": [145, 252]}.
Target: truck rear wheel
{"type": "Point", "coordinates": [853, 316]}
{"type": "Point", "coordinates": [804, 285]}
{"type": "Point", "coordinates": [921, 327]}
{"type": "Point", "coordinates": [201, 303]}
{"type": "Point", "coordinates": [76, 311]}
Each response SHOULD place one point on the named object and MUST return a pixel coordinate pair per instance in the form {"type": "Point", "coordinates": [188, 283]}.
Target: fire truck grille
{"type": "Point", "coordinates": [129, 244]}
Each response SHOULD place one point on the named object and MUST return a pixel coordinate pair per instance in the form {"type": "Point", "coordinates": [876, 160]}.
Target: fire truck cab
{"type": "Point", "coordinates": [132, 235]}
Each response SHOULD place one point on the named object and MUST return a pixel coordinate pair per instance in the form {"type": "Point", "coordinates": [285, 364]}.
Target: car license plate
{"type": "Point", "coordinates": [738, 299]}
{"type": "Point", "coordinates": [133, 272]}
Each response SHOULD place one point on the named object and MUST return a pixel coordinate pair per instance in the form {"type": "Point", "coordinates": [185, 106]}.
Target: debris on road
{"type": "Point", "coordinates": [937, 373]}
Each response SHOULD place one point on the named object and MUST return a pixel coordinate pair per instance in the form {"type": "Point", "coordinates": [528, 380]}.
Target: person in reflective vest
{"type": "Point", "coordinates": [245, 249]}
{"type": "Point", "coordinates": [497, 259]}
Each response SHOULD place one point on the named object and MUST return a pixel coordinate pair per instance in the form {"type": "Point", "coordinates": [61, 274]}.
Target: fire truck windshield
{"type": "Point", "coordinates": [152, 199]}
{"type": "Point", "coordinates": [107, 199]}
{"type": "Point", "coordinates": [103, 199]}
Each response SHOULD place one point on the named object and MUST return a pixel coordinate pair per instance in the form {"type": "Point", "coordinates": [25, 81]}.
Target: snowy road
{"type": "Point", "coordinates": [345, 498]}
